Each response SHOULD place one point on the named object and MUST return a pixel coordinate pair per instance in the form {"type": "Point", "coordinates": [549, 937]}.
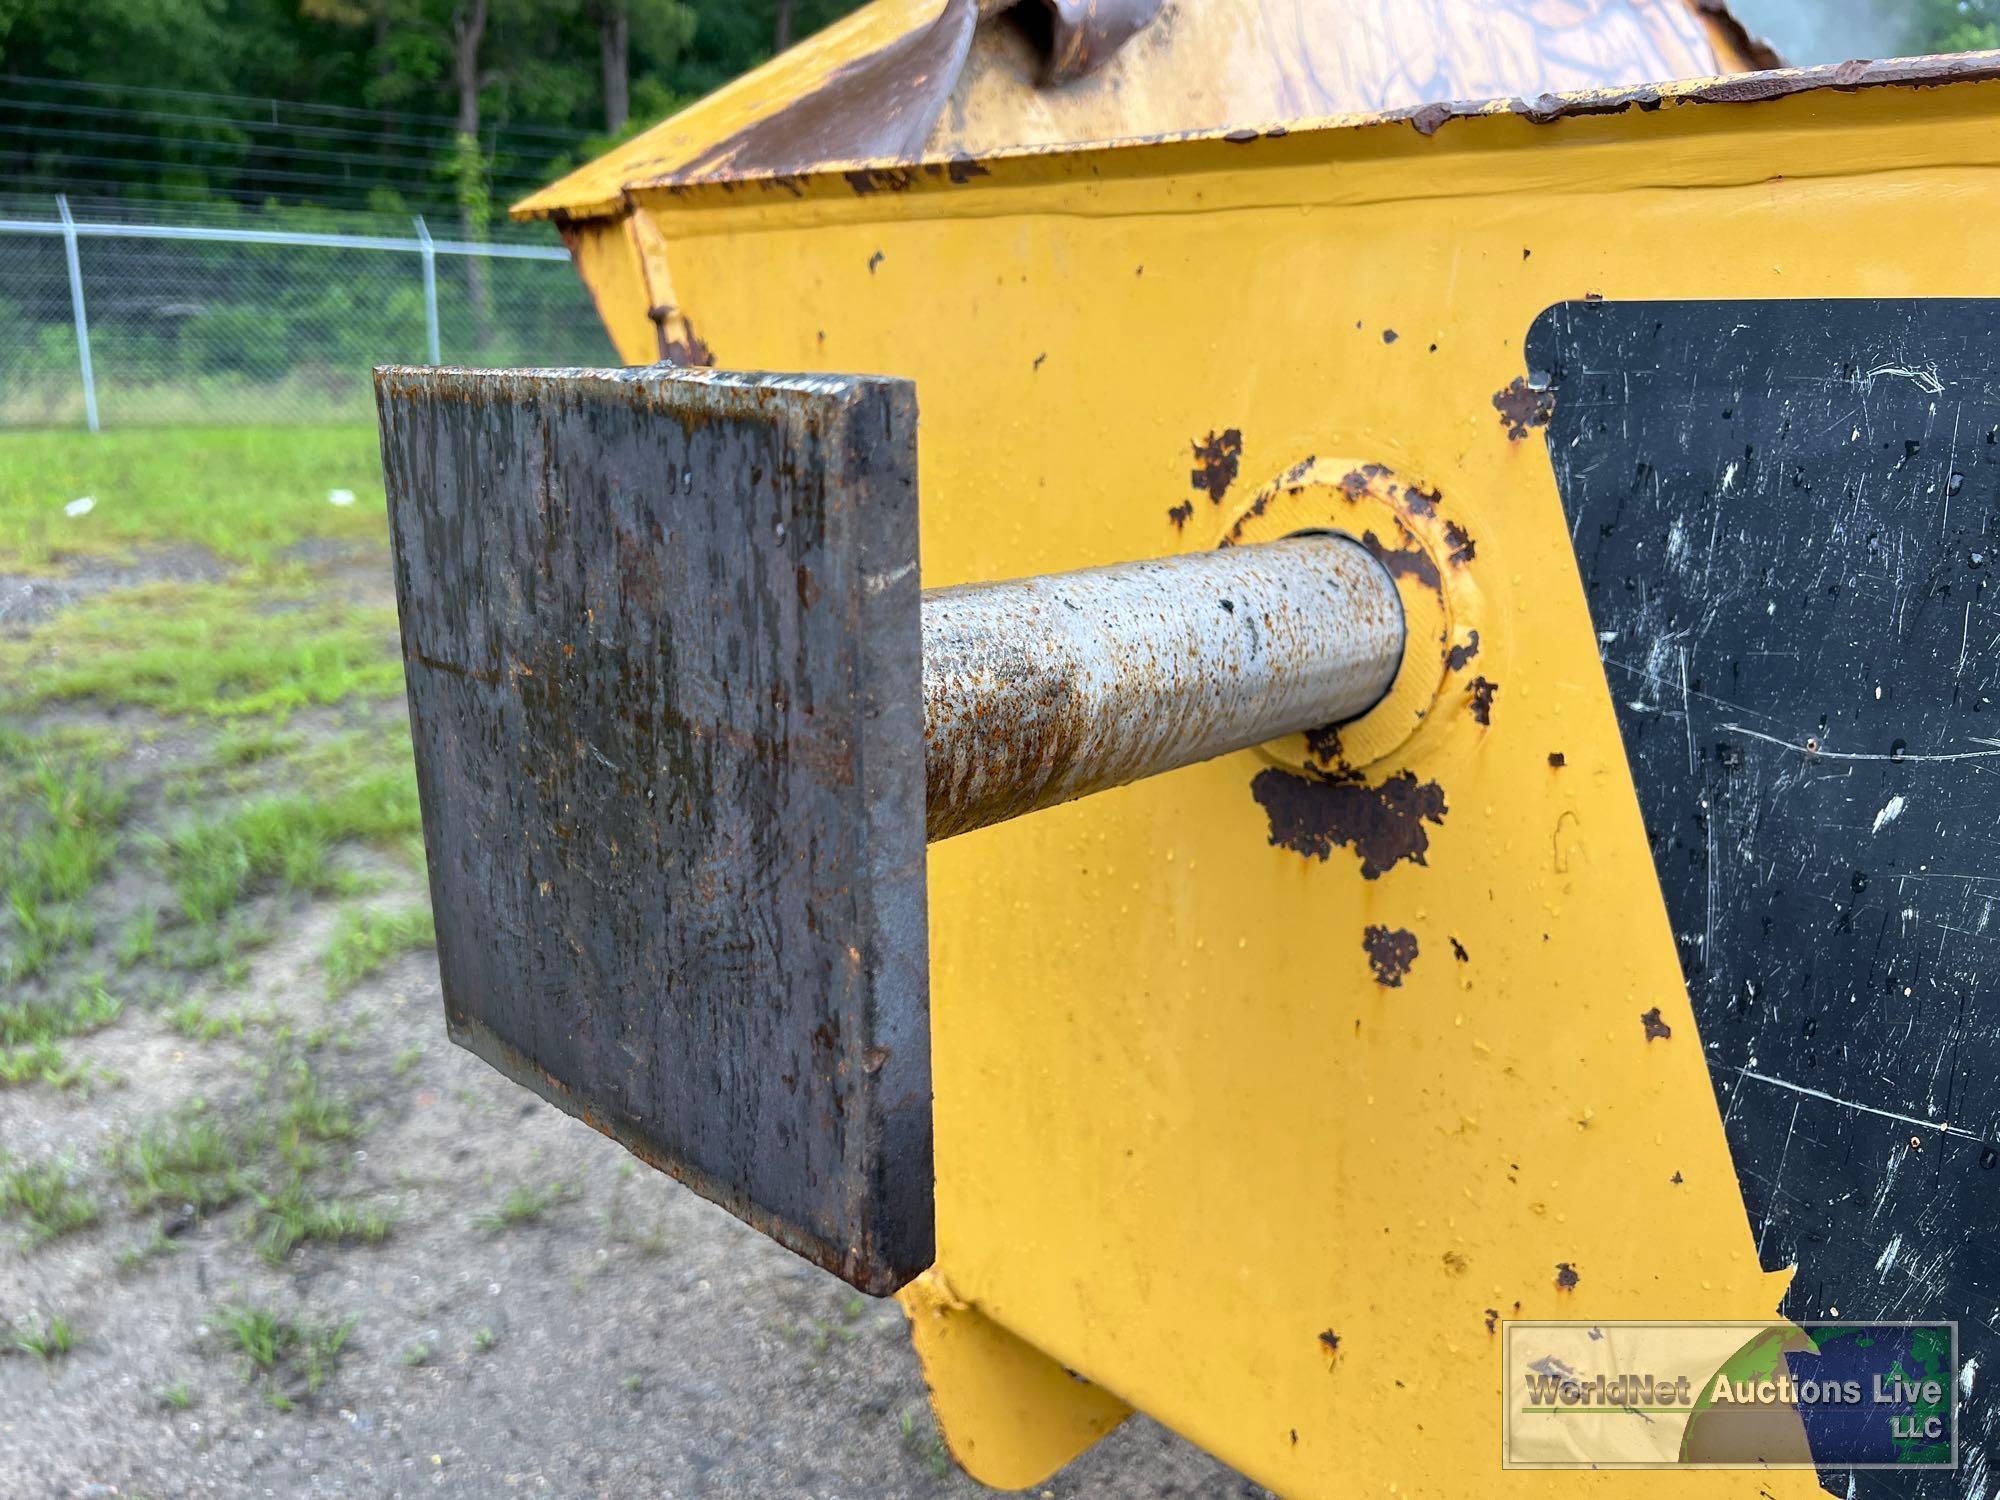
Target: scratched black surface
{"type": "Point", "coordinates": [1786, 516]}
{"type": "Point", "coordinates": [661, 637]}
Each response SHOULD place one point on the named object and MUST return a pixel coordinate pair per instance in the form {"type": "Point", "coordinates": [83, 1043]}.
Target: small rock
{"type": "Point", "coordinates": [81, 506]}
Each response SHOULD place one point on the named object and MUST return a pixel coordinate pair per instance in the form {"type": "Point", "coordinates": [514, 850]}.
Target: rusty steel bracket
{"type": "Point", "coordinates": [683, 724]}
{"type": "Point", "coordinates": [661, 635]}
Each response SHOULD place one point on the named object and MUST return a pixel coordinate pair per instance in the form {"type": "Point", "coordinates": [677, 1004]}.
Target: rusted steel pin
{"type": "Point", "coordinates": [1042, 690]}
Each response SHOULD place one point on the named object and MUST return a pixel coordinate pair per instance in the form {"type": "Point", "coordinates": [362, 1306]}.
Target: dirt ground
{"type": "Point", "coordinates": [296, 1243]}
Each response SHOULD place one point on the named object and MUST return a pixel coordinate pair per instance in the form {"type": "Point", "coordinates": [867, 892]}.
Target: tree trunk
{"type": "Point", "coordinates": [468, 32]}
{"type": "Point", "coordinates": [781, 29]}
{"type": "Point", "coordinates": [614, 47]}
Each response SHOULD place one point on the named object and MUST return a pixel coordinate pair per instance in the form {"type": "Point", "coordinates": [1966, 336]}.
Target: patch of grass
{"type": "Point", "coordinates": [42, 933]}
{"type": "Point", "coordinates": [262, 1337]}
{"type": "Point", "coordinates": [485, 1341]}
{"type": "Point", "coordinates": [310, 1113]}
{"type": "Point", "coordinates": [47, 1339]}
{"type": "Point", "coordinates": [176, 1397]}
{"type": "Point", "coordinates": [52, 854]}
{"type": "Point", "coordinates": [521, 1206]}
{"type": "Point", "coordinates": [406, 1061]}
{"type": "Point", "coordinates": [186, 1162]}
{"type": "Point", "coordinates": [135, 939]}
{"type": "Point", "coordinates": [272, 1345]}
{"type": "Point", "coordinates": [263, 644]}
{"type": "Point", "coordinates": [47, 1198]}
{"type": "Point", "coordinates": [250, 744]}
{"type": "Point", "coordinates": [132, 1257]}
{"type": "Point", "coordinates": [60, 858]}
{"type": "Point", "coordinates": [921, 1441]}
{"type": "Point", "coordinates": [41, 1063]}
{"type": "Point", "coordinates": [287, 840]}
{"type": "Point", "coordinates": [30, 1031]}
{"type": "Point", "coordinates": [417, 1355]}
{"type": "Point", "coordinates": [243, 493]}
{"type": "Point", "coordinates": [364, 941]}
{"type": "Point", "coordinates": [294, 1217]}
{"type": "Point", "coordinates": [192, 1020]}
{"type": "Point", "coordinates": [215, 944]}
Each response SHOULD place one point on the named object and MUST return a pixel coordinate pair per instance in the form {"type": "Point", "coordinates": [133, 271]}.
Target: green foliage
{"type": "Point", "coordinates": [364, 941]}
{"type": "Point", "coordinates": [1954, 25]}
{"type": "Point", "coordinates": [541, 88]}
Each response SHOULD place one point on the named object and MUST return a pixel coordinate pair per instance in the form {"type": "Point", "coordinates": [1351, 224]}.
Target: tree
{"type": "Point", "coordinates": [1955, 25]}
{"type": "Point", "coordinates": [614, 52]}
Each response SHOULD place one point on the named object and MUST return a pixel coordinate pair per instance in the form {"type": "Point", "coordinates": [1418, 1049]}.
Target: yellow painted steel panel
{"type": "Point", "coordinates": [1190, 1145]}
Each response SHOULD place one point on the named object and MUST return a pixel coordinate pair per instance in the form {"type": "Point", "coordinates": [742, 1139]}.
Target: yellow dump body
{"type": "Point", "coordinates": [955, 81]}
{"type": "Point", "coordinates": [1196, 1154]}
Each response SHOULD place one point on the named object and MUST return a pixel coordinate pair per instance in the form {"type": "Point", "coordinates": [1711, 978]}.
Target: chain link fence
{"type": "Point", "coordinates": [116, 314]}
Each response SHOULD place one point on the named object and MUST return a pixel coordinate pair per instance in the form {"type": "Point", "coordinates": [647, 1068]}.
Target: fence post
{"type": "Point", "coordinates": [430, 291]}
{"type": "Point", "coordinates": [76, 309]}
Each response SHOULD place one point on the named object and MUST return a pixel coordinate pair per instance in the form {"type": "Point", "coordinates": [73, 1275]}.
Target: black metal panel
{"type": "Point", "coordinates": [1786, 514]}
{"type": "Point", "coordinates": [661, 635]}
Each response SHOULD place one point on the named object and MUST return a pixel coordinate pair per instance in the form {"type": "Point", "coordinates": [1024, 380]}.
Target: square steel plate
{"type": "Point", "coordinates": [662, 642]}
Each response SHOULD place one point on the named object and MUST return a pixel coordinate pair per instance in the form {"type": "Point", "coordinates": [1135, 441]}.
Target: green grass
{"type": "Point", "coordinates": [918, 1429]}
{"type": "Point", "coordinates": [47, 1199]}
{"type": "Point", "coordinates": [31, 1032]}
{"type": "Point", "coordinates": [270, 1343]}
{"type": "Point", "coordinates": [192, 1162]}
{"type": "Point", "coordinates": [294, 1217]}
{"type": "Point", "coordinates": [261, 1336]}
{"type": "Point", "coordinates": [53, 851]}
{"type": "Point", "coordinates": [364, 941]}
{"type": "Point", "coordinates": [522, 1205]}
{"type": "Point", "coordinates": [135, 939]}
{"type": "Point", "coordinates": [61, 858]}
{"type": "Point", "coordinates": [46, 1339]}
{"type": "Point", "coordinates": [286, 840]}
{"type": "Point", "coordinates": [262, 643]}
{"type": "Point", "coordinates": [192, 1020]}
{"type": "Point", "coordinates": [215, 945]}
{"type": "Point", "coordinates": [244, 493]}
{"type": "Point", "coordinates": [176, 1397]}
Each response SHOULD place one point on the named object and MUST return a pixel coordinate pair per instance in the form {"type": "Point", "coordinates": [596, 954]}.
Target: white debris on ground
{"type": "Point", "coordinates": [81, 506]}
{"type": "Point", "coordinates": [340, 497]}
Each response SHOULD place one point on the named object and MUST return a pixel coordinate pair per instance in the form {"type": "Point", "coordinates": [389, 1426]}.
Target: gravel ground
{"type": "Point", "coordinates": [544, 1316]}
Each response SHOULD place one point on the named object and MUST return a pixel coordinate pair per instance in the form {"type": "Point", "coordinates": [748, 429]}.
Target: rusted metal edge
{"type": "Point", "coordinates": [1757, 48]}
{"type": "Point", "coordinates": [1426, 119]}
